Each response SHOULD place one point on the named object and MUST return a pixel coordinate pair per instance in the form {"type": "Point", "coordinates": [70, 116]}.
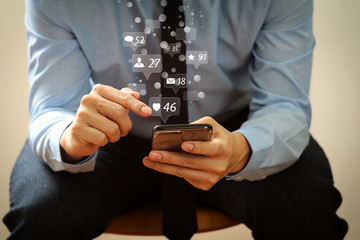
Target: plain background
{"type": "Point", "coordinates": [335, 95]}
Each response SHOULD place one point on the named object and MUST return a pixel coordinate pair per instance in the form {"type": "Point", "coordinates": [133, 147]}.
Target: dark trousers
{"type": "Point", "coordinates": [297, 203]}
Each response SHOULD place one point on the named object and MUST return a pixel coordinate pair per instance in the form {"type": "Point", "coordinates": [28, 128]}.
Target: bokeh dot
{"type": "Point", "coordinates": [163, 44]}
{"type": "Point", "coordinates": [147, 30]}
{"type": "Point", "coordinates": [163, 3]}
{"type": "Point", "coordinates": [187, 29]}
{"type": "Point", "coordinates": [142, 92]}
{"type": "Point", "coordinates": [162, 17]}
{"type": "Point", "coordinates": [143, 51]}
{"type": "Point", "coordinates": [157, 85]}
{"type": "Point", "coordinates": [137, 20]}
{"type": "Point", "coordinates": [197, 78]}
{"type": "Point", "coordinates": [201, 95]}
{"type": "Point", "coordinates": [182, 57]}
{"type": "Point", "coordinates": [164, 74]}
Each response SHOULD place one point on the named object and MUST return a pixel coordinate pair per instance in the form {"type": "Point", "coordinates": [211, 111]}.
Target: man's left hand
{"type": "Point", "coordinates": [202, 163]}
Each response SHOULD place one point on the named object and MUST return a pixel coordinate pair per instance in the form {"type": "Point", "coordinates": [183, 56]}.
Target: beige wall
{"type": "Point", "coordinates": [334, 93]}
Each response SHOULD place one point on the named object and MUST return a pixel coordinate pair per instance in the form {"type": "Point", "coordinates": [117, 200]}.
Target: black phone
{"type": "Point", "coordinates": [170, 136]}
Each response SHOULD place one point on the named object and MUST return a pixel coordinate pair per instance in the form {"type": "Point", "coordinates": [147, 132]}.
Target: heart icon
{"type": "Point", "coordinates": [156, 106]}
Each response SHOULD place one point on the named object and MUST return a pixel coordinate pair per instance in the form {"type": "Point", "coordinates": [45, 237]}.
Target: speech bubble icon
{"type": "Point", "coordinates": [186, 33]}
{"type": "Point", "coordinates": [147, 64]}
{"type": "Point", "coordinates": [134, 40]}
{"type": "Point", "coordinates": [165, 107]}
{"type": "Point", "coordinates": [191, 96]}
{"type": "Point", "coordinates": [175, 81]}
{"type": "Point", "coordinates": [196, 58]}
{"type": "Point", "coordinates": [129, 38]}
{"type": "Point", "coordinates": [151, 25]}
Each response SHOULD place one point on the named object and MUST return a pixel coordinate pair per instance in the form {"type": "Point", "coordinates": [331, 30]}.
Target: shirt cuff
{"type": "Point", "coordinates": [256, 168]}
{"type": "Point", "coordinates": [87, 165]}
{"type": "Point", "coordinates": [54, 159]}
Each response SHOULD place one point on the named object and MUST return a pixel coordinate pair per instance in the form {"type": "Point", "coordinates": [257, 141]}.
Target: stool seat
{"type": "Point", "coordinates": [147, 220]}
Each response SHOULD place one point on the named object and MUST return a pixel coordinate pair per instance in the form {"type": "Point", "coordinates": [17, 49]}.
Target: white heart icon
{"type": "Point", "coordinates": [156, 106]}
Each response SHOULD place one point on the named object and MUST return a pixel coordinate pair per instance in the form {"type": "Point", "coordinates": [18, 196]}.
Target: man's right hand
{"type": "Point", "coordinates": [102, 117]}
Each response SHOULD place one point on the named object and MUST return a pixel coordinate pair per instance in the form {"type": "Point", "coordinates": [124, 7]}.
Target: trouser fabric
{"type": "Point", "coordinates": [297, 203]}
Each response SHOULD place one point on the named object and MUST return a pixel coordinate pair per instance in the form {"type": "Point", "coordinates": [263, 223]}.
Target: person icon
{"type": "Point", "coordinates": [139, 64]}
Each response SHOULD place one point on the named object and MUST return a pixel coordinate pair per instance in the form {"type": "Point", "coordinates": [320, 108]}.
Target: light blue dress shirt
{"type": "Point", "coordinates": [259, 54]}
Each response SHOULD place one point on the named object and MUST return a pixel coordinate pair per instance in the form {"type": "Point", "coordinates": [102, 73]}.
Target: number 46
{"type": "Point", "coordinates": [171, 107]}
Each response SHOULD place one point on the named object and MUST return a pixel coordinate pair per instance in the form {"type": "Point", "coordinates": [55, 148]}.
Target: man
{"type": "Point", "coordinates": [261, 166]}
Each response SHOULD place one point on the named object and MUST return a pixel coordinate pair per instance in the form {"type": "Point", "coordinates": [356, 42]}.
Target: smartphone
{"type": "Point", "coordinates": [170, 136]}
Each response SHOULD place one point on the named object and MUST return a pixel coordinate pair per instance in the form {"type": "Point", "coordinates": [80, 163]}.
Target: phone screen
{"type": "Point", "coordinates": [170, 137]}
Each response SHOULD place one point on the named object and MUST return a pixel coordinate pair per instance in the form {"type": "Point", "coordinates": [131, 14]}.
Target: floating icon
{"type": "Point", "coordinates": [139, 64]}
{"type": "Point", "coordinates": [186, 34]}
{"type": "Point", "coordinates": [191, 57]}
{"type": "Point", "coordinates": [176, 81]}
{"type": "Point", "coordinates": [134, 40]}
{"type": "Point", "coordinates": [151, 25]}
{"type": "Point", "coordinates": [191, 96]}
{"type": "Point", "coordinates": [165, 107]}
{"type": "Point", "coordinates": [129, 38]}
{"type": "Point", "coordinates": [170, 81]}
{"type": "Point", "coordinates": [156, 106]}
{"type": "Point", "coordinates": [172, 48]}
{"type": "Point", "coordinates": [147, 64]}
{"type": "Point", "coordinates": [196, 58]}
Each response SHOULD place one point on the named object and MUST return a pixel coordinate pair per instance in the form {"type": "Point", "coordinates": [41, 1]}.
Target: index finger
{"type": "Point", "coordinates": [131, 92]}
{"type": "Point", "coordinates": [123, 98]}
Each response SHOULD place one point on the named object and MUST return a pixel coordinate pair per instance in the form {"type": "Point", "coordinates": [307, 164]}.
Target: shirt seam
{"type": "Point", "coordinates": [306, 21]}
{"type": "Point", "coordinates": [277, 20]}
{"type": "Point", "coordinates": [292, 59]}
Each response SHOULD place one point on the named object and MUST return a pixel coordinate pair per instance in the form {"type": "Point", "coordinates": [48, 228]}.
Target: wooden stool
{"type": "Point", "coordinates": [147, 220]}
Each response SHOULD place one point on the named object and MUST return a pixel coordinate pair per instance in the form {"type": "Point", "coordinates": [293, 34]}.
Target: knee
{"type": "Point", "coordinates": [300, 216]}
{"type": "Point", "coordinates": [40, 209]}
{"type": "Point", "coordinates": [46, 219]}
{"type": "Point", "coordinates": [30, 218]}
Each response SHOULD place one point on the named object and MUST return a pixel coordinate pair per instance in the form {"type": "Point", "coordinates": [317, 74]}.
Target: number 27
{"type": "Point", "coordinates": [154, 62]}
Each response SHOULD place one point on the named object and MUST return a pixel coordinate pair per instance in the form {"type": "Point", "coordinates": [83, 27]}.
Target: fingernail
{"type": "Point", "coordinates": [146, 110]}
{"type": "Point", "coordinates": [156, 156]}
{"type": "Point", "coordinates": [148, 163]}
{"type": "Point", "coordinates": [188, 146]}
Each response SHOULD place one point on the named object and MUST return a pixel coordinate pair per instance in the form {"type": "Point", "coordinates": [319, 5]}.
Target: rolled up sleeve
{"type": "Point", "coordinates": [280, 112]}
{"type": "Point", "coordinates": [58, 76]}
